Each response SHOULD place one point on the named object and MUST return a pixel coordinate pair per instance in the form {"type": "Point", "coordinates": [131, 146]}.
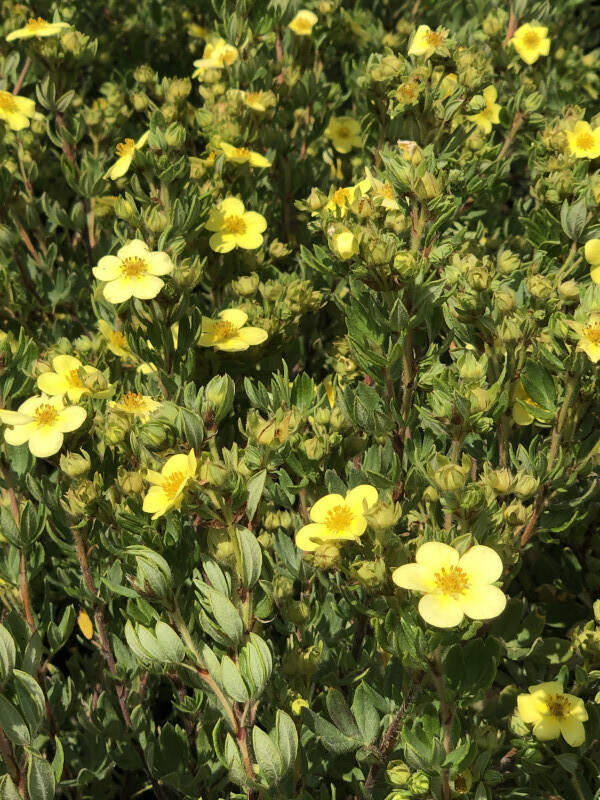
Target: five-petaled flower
{"type": "Point", "coordinates": [135, 404]}
{"type": "Point", "coordinates": [115, 340]}
{"type": "Point", "coordinates": [36, 28]}
{"type": "Point", "coordinates": [233, 226]}
{"type": "Point", "coordinates": [337, 518]}
{"type": "Point", "coordinates": [303, 22]}
{"type": "Point", "coordinates": [230, 332]}
{"type": "Point", "coordinates": [426, 42]}
{"type": "Point", "coordinates": [217, 54]}
{"type": "Point", "coordinates": [16, 111]}
{"type": "Point", "coordinates": [125, 151]}
{"type": "Point", "coordinates": [342, 198]}
{"type": "Point", "coordinates": [67, 377]}
{"type": "Point", "coordinates": [453, 585]}
{"type": "Point", "coordinates": [133, 272]}
{"type": "Point", "coordinates": [553, 713]}
{"type": "Point", "coordinates": [42, 421]}
{"type": "Point", "coordinates": [344, 133]}
{"type": "Point", "coordinates": [169, 484]}
{"type": "Point", "coordinates": [531, 41]}
{"type": "Point", "coordinates": [490, 115]}
{"type": "Point", "coordinates": [584, 141]}
{"type": "Point", "coordinates": [592, 256]}
{"type": "Point", "coordinates": [589, 336]}
{"type": "Point", "coordinates": [242, 155]}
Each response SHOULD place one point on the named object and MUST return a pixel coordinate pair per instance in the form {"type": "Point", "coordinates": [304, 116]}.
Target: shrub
{"type": "Point", "coordinates": [300, 321]}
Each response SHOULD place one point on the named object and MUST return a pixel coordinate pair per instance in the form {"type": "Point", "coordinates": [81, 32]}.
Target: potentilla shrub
{"type": "Point", "coordinates": [299, 340]}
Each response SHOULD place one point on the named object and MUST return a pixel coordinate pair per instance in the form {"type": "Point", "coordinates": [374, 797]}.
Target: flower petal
{"type": "Point", "coordinates": [159, 263]}
{"type": "Point", "coordinates": [222, 242]}
{"type": "Point", "coordinates": [19, 434]}
{"type": "Point", "coordinates": [120, 167]}
{"type": "Point", "coordinates": [323, 506]}
{"type": "Point", "coordinates": [251, 335]}
{"type": "Point", "coordinates": [232, 207]}
{"type": "Point", "coordinates": [254, 221]}
{"type": "Point", "coordinates": [592, 252]}
{"type": "Point", "coordinates": [549, 687]}
{"type": "Point", "coordinates": [65, 363]}
{"type": "Point", "coordinates": [71, 418]}
{"type": "Point", "coordinates": [573, 731]}
{"type": "Point", "coordinates": [436, 555]}
{"type": "Point", "coordinates": [530, 708]}
{"type": "Point", "coordinates": [108, 268]}
{"type": "Point", "coordinates": [577, 708]}
{"type": "Point", "coordinates": [251, 240]}
{"type": "Point", "coordinates": [415, 577]}
{"type": "Point", "coordinates": [53, 384]}
{"type": "Point", "coordinates": [234, 344]}
{"type": "Point", "coordinates": [146, 287]}
{"type": "Point", "coordinates": [155, 501]}
{"type": "Point", "coordinates": [132, 249]}
{"type": "Point", "coordinates": [308, 533]}
{"type": "Point", "coordinates": [483, 602]}
{"type": "Point", "coordinates": [361, 498]}
{"type": "Point", "coordinates": [236, 316]}
{"type": "Point", "coordinates": [482, 564]}
{"type": "Point", "coordinates": [546, 729]}
{"type": "Point", "coordinates": [45, 441]}
{"type": "Point", "coordinates": [177, 463]}
{"type": "Point", "coordinates": [440, 610]}
{"type": "Point", "coordinates": [118, 291]}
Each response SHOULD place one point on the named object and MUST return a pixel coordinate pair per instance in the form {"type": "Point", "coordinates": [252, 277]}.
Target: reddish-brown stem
{"type": "Point", "coordinates": [22, 75]}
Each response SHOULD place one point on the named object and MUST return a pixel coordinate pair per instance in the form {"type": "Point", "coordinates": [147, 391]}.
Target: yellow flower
{"type": "Point", "coordinates": [116, 341]}
{"type": "Point", "coordinates": [584, 141]}
{"type": "Point", "coordinates": [589, 336]}
{"type": "Point", "coordinates": [343, 197]}
{"type": "Point", "coordinates": [344, 133]}
{"type": "Point", "coordinates": [126, 151]}
{"type": "Point", "coordinates": [448, 85]}
{"type": "Point", "coordinates": [425, 41]}
{"type": "Point", "coordinates": [592, 256]}
{"type": "Point", "coordinates": [66, 378]}
{"type": "Point", "coordinates": [454, 585]}
{"type": "Point", "coordinates": [553, 713]}
{"type": "Point", "coordinates": [233, 226]}
{"type": "Point", "coordinates": [337, 518]}
{"type": "Point", "coordinates": [490, 115]}
{"type": "Point", "coordinates": [228, 332]}
{"type": "Point", "coordinates": [42, 422]}
{"type": "Point", "coordinates": [303, 22]}
{"type": "Point", "coordinates": [139, 405]}
{"type": "Point", "coordinates": [258, 101]}
{"type": "Point", "coordinates": [85, 624]}
{"type": "Point", "coordinates": [344, 244]}
{"type": "Point", "coordinates": [407, 94]}
{"type": "Point", "coordinates": [241, 155]}
{"type": "Point", "coordinates": [36, 28]}
{"type": "Point", "coordinates": [169, 484]}
{"type": "Point", "coordinates": [531, 41]}
{"type": "Point", "coordinates": [217, 54]}
{"type": "Point", "coordinates": [16, 111]}
{"type": "Point", "coordinates": [383, 191]}
{"type": "Point", "coordinates": [520, 414]}
{"type": "Point", "coordinates": [133, 272]}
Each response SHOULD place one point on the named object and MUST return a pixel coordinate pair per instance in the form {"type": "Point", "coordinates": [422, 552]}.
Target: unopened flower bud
{"type": "Point", "coordinates": [405, 264]}
{"type": "Point", "coordinates": [175, 135]}
{"type": "Point", "coordinates": [516, 514]}
{"type": "Point", "coordinates": [429, 187]}
{"type": "Point", "coordinates": [328, 556]}
{"type": "Point", "coordinates": [540, 286]}
{"type": "Point", "coordinates": [219, 394]}
{"type": "Point", "coordinates": [179, 89]}
{"type": "Point", "coordinates": [344, 244]}
{"type": "Point", "coordinates": [450, 477]}
{"type": "Point", "coordinates": [372, 574]}
{"type": "Point", "coordinates": [397, 773]}
{"type": "Point", "coordinates": [499, 480]}
{"type": "Point", "coordinates": [75, 465]}
{"type": "Point", "coordinates": [278, 249]}
{"type": "Point", "coordinates": [295, 611]}
{"type": "Point", "coordinates": [155, 219]}
{"type": "Point", "coordinates": [525, 485]}
{"type": "Point", "coordinates": [247, 285]}
{"type": "Point", "coordinates": [153, 435]}
{"type": "Point", "coordinates": [505, 300]}
{"type": "Point", "coordinates": [316, 200]}
{"type": "Point", "coordinates": [569, 291]}
{"type": "Point", "coordinates": [144, 74]}
{"type": "Point", "coordinates": [507, 262]}
{"type": "Point", "coordinates": [314, 448]}
{"type": "Point", "coordinates": [384, 515]}
{"type": "Point", "coordinates": [140, 101]}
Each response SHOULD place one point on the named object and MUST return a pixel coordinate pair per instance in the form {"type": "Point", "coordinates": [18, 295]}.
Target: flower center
{"type": "Point", "coordinates": [433, 39]}
{"type": "Point", "coordinates": [45, 414]}
{"type": "Point", "coordinates": [407, 91]}
{"type": "Point", "coordinates": [451, 581]}
{"type": "Point", "coordinates": [73, 378]}
{"type": "Point", "coordinates": [339, 518]}
{"type": "Point", "coordinates": [387, 191]}
{"type": "Point", "coordinates": [134, 267]}
{"type": "Point", "coordinates": [591, 332]}
{"type": "Point", "coordinates": [235, 224]}
{"type": "Point", "coordinates": [125, 148]}
{"type": "Point", "coordinates": [133, 401]}
{"type": "Point", "coordinates": [531, 40]}
{"type": "Point", "coordinates": [341, 197]}
{"type": "Point", "coordinates": [118, 339]}
{"type": "Point", "coordinates": [343, 132]}
{"type": "Point", "coordinates": [242, 152]}
{"type": "Point", "coordinates": [585, 141]}
{"type": "Point", "coordinates": [558, 706]}
{"type": "Point", "coordinates": [36, 24]}
{"type": "Point", "coordinates": [223, 330]}
{"type": "Point", "coordinates": [172, 484]}
{"type": "Point", "coordinates": [304, 25]}
{"type": "Point", "coordinates": [7, 102]}
{"type": "Point", "coordinates": [252, 98]}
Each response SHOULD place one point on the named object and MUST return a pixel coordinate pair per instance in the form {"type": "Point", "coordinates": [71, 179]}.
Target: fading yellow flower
{"type": "Point", "coordinates": [115, 340]}
{"type": "Point", "coordinates": [16, 111]}
{"type": "Point", "coordinates": [584, 141]}
{"type": "Point", "coordinates": [242, 155]}
{"type": "Point", "coordinates": [553, 713]}
{"type": "Point", "coordinates": [448, 85]}
{"type": "Point", "coordinates": [138, 405]}
{"type": "Point", "coordinates": [344, 244]}
{"type": "Point", "coordinates": [42, 421]}
{"type": "Point", "coordinates": [407, 94]}
{"type": "Point", "coordinates": [303, 22]}
{"type": "Point", "coordinates": [531, 41]}
{"type": "Point", "coordinates": [490, 115]}
{"type": "Point", "coordinates": [85, 624]}
{"type": "Point", "coordinates": [126, 151]}
{"type": "Point", "coordinates": [258, 101]}
{"type": "Point", "coordinates": [133, 272]}
{"type": "Point", "coordinates": [229, 332]}
{"type": "Point", "coordinates": [217, 54]}
{"type": "Point", "coordinates": [233, 226]}
{"type": "Point", "coordinates": [341, 199]}
{"type": "Point", "coordinates": [592, 256]}
{"type": "Point", "coordinates": [520, 414]}
{"type": "Point", "coordinates": [383, 192]}
{"type": "Point", "coordinates": [337, 518]}
{"type": "Point", "coordinates": [169, 484]}
{"type": "Point", "coordinates": [453, 585]}
{"type": "Point", "coordinates": [344, 133]}
{"type": "Point", "coordinates": [426, 42]}
{"type": "Point", "coordinates": [37, 28]}
{"type": "Point", "coordinates": [589, 336]}
{"type": "Point", "coordinates": [66, 378]}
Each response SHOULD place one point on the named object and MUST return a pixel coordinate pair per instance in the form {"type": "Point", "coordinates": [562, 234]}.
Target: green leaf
{"type": "Point", "coordinates": [329, 734]}
{"type": "Point", "coordinates": [365, 713]}
{"type": "Point", "coordinates": [287, 739]}
{"type": "Point", "coordinates": [251, 554]}
{"type": "Point", "coordinates": [539, 385]}
{"type": "Point", "coordinates": [255, 486]}
{"type": "Point", "coordinates": [8, 652]}
{"type": "Point", "coordinates": [341, 715]}
{"type": "Point", "coordinates": [226, 616]}
{"type": "Point", "coordinates": [40, 778]}
{"type": "Point", "coordinates": [13, 723]}
{"type": "Point", "coordinates": [233, 682]}
{"type": "Point", "coordinates": [268, 756]}
{"type": "Point", "coordinates": [31, 699]}
{"type": "Point", "coordinates": [170, 643]}
{"type": "Point", "coordinates": [303, 392]}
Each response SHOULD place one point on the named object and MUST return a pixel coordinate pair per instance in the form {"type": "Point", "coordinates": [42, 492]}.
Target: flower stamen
{"type": "Point", "coordinates": [451, 581]}
{"type": "Point", "coordinates": [339, 518]}
{"type": "Point", "coordinates": [45, 414]}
